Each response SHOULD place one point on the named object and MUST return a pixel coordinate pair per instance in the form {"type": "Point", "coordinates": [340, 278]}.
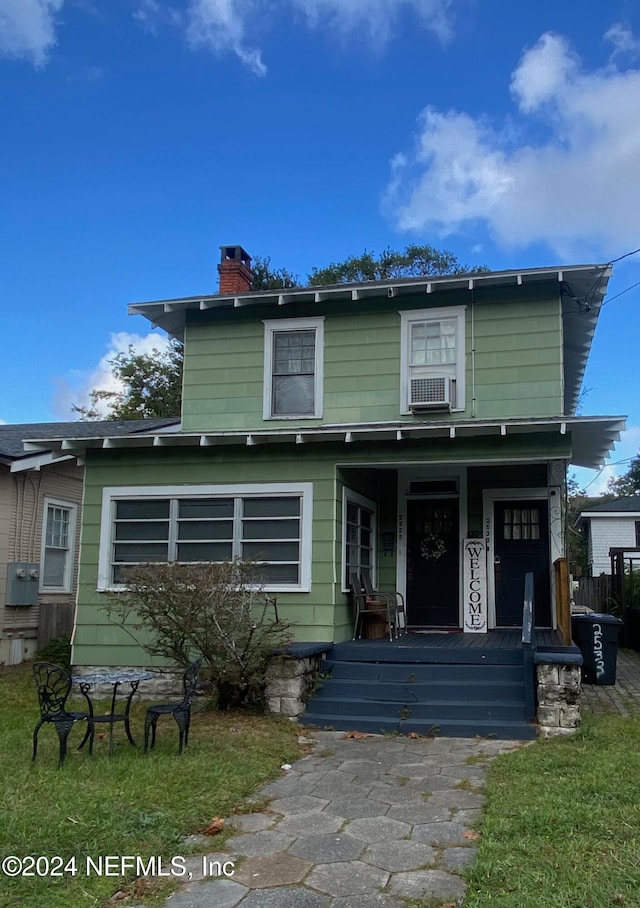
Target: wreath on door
{"type": "Point", "coordinates": [432, 547]}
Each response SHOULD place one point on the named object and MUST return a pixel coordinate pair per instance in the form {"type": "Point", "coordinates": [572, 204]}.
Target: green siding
{"type": "Point", "coordinates": [324, 613]}
{"type": "Point", "coordinates": [517, 361]}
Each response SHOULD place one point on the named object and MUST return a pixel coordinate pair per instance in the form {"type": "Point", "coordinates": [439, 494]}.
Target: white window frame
{"type": "Point", "coordinates": [349, 496]}
{"type": "Point", "coordinates": [303, 490]}
{"type": "Point", "coordinates": [455, 371]}
{"type": "Point", "coordinates": [271, 327]}
{"type": "Point", "coordinates": [67, 582]}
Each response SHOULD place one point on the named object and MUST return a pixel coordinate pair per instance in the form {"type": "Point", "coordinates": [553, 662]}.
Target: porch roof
{"type": "Point", "coordinates": [581, 289]}
{"type": "Point", "coordinates": [592, 437]}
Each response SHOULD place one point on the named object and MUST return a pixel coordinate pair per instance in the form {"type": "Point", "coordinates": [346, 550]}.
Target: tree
{"type": "Point", "coordinates": [414, 261]}
{"type": "Point", "coordinates": [264, 277]}
{"type": "Point", "coordinates": [151, 386]}
{"type": "Point", "coordinates": [629, 483]}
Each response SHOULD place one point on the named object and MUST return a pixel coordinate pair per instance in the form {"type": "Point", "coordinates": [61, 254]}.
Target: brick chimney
{"type": "Point", "coordinates": [234, 270]}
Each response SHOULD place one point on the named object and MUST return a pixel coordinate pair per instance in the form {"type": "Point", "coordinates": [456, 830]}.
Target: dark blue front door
{"type": "Point", "coordinates": [521, 546]}
{"type": "Point", "coordinates": [433, 565]}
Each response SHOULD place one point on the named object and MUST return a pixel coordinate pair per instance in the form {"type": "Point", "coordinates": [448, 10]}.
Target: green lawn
{"type": "Point", "coordinates": [127, 804]}
{"type": "Point", "coordinates": [561, 828]}
{"type": "Point", "coordinates": [562, 823]}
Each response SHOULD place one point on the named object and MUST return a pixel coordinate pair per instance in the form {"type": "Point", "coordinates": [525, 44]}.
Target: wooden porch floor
{"type": "Point", "coordinates": [496, 647]}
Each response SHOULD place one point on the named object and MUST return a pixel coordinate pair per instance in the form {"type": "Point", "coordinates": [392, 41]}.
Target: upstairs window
{"type": "Point", "coordinates": [293, 367]}
{"type": "Point", "coordinates": [58, 544]}
{"type": "Point", "coordinates": [432, 360]}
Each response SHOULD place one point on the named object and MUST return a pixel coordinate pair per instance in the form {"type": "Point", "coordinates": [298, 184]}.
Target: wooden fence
{"type": "Point", "coordinates": [55, 619]}
{"type": "Point", "coordinates": [595, 593]}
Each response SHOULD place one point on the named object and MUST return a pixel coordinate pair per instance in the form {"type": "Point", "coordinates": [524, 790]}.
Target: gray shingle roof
{"type": "Point", "coordinates": [12, 436]}
{"type": "Point", "coordinates": [619, 505]}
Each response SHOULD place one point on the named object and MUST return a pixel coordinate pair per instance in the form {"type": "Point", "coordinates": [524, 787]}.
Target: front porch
{"type": "Point", "coordinates": [497, 647]}
{"type": "Point", "coordinates": [427, 683]}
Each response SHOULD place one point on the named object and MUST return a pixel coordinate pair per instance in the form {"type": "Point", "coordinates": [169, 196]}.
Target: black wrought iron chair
{"type": "Point", "coordinates": [54, 686]}
{"type": "Point", "coordinates": [366, 607]}
{"type": "Point", "coordinates": [180, 711]}
{"type": "Point", "coordinates": [395, 600]}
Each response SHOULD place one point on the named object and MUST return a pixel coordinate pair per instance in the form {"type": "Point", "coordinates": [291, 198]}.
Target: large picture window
{"type": "Point", "coordinates": [58, 545]}
{"type": "Point", "coordinates": [293, 368]}
{"type": "Point", "coordinates": [269, 524]}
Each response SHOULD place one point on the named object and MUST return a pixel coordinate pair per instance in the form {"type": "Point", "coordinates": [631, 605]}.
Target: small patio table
{"type": "Point", "coordinates": [115, 678]}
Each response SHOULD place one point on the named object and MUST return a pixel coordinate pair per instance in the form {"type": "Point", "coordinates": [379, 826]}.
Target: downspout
{"type": "Point", "coordinates": [473, 355]}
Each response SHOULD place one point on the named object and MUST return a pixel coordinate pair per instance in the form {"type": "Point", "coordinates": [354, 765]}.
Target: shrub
{"type": "Point", "coordinates": [217, 610]}
{"type": "Point", "coordinates": [57, 650]}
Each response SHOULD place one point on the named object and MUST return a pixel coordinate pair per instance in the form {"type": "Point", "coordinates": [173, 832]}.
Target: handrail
{"type": "Point", "coordinates": [563, 599]}
{"type": "Point", "coordinates": [529, 644]}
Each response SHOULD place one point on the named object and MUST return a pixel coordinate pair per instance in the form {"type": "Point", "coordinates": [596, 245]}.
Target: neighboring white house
{"type": "Point", "coordinates": [614, 524]}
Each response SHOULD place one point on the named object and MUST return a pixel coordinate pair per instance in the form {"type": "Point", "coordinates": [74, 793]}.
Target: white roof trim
{"type": "Point", "coordinates": [592, 436]}
{"type": "Point", "coordinates": [37, 461]}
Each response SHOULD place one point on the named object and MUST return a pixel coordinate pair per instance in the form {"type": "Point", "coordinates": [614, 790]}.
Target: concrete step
{"type": "Point", "coordinates": [459, 699]}
{"type": "Point", "coordinates": [441, 726]}
{"type": "Point", "coordinates": [428, 674]}
{"type": "Point", "coordinates": [420, 692]}
{"type": "Point", "coordinates": [425, 710]}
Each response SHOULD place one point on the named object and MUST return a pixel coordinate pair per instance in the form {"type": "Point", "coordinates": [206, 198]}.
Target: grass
{"type": "Point", "coordinates": [127, 804]}
{"type": "Point", "coordinates": [562, 823]}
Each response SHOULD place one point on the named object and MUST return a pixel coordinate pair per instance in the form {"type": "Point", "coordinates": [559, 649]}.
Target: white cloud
{"type": "Point", "coordinates": [623, 40]}
{"type": "Point", "coordinates": [28, 29]}
{"type": "Point", "coordinates": [151, 15]}
{"type": "Point", "coordinates": [219, 25]}
{"type": "Point", "coordinates": [376, 18]}
{"type": "Point", "coordinates": [580, 186]}
{"type": "Point", "coordinates": [224, 26]}
{"type": "Point", "coordinates": [75, 388]}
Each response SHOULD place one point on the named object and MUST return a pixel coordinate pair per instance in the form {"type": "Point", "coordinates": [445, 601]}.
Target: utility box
{"type": "Point", "coordinates": [22, 583]}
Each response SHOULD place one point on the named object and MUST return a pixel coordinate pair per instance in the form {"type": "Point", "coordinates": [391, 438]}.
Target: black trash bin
{"type": "Point", "coordinates": [597, 635]}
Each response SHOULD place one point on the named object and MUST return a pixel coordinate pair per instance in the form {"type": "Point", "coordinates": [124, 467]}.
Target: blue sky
{"type": "Point", "coordinates": [139, 135]}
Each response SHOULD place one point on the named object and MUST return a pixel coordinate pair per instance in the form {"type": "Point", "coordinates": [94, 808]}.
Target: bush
{"type": "Point", "coordinates": [217, 610]}
{"type": "Point", "coordinates": [57, 650]}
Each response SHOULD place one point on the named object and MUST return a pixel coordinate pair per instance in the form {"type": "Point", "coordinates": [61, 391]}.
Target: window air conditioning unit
{"type": "Point", "coordinates": [430, 393]}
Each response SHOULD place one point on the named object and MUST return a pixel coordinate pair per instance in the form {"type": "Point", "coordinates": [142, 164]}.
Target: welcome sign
{"type": "Point", "coordinates": [475, 586]}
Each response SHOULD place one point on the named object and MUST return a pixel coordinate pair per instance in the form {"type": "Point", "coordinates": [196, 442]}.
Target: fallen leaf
{"type": "Point", "coordinates": [414, 735]}
{"type": "Point", "coordinates": [215, 826]}
{"type": "Point", "coordinates": [357, 735]}
{"type": "Point", "coordinates": [470, 834]}
{"type": "Point", "coordinates": [448, 905]}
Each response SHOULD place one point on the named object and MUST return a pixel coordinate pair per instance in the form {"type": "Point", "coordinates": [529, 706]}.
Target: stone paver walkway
{"type": "Point", "coordinates": [368, 822]}
{"type": "Point", "coordinates": [623, 697]}
{"type": "Point", "coordinates": [358, 823]}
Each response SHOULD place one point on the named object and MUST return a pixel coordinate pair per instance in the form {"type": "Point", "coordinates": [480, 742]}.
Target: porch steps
{"type": "Point", "coordinates": [443, 698]}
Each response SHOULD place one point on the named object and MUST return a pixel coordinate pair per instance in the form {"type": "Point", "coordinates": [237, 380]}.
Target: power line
{"type": "Point", "coordinates": [622, 292]}
{"type": "Point", "coordinates": [615, 463]}
{"type": "Point", "coordinates": [625, 256]}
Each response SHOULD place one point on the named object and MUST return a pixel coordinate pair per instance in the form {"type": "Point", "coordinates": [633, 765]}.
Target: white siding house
{"type": "Point", "coordinates": [614, 524]}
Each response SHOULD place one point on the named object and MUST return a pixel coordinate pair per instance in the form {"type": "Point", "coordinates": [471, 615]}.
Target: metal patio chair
{"type": "Point", "coordinates": [180, 711]}
{"type": "Point", "coordinates": [53, 684]}
{"type": "Point", "coordinates": [395, 600]}
{"type": "Point", "coordinates": [366, 607]}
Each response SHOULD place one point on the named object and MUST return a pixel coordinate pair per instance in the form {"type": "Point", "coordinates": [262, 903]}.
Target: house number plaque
{"type": "Point", "coordinates": [475, 586]}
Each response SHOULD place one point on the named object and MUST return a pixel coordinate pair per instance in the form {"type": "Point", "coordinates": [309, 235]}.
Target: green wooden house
{"type": "Point", "coordinates": [393, 425]}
